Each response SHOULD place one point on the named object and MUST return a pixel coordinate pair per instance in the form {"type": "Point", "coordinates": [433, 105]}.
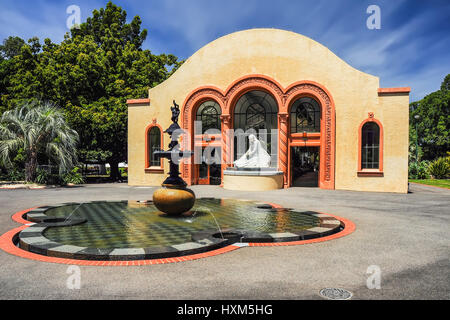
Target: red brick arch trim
{"type": "Point", "coordinates": [370, 172]}
{"type": "Point", "coordinates": [327, 125]}
{"type": "Point", "coordinates": [253, 82]}
{"type": "Point", "coordinates": [148, 168]}
{"type": "Point", "coordinates": [188, 113]}
{"type": "Point", "coordinates": [228, 98]}
{"type": "Point", "coordinates": [197, 97]}
{"type": "Point", "coordinates": [284, 98]}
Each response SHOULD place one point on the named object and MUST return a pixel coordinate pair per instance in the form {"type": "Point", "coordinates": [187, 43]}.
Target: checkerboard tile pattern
{"type": "Point", "coordinates": [307, 227]}
{"type": "Point", "coordinates": [119, 225]}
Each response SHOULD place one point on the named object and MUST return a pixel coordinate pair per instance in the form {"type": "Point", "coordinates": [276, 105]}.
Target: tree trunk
{"type": "Point", "coordinates": [30, 168]}
{"type": "Point", "coordinates": [115, 173]}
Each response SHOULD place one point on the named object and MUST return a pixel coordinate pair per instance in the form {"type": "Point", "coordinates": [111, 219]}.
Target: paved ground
{"type": "Point", "coordinates": [406, 235]}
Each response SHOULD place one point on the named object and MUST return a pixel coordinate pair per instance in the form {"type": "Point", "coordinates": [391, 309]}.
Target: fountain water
{"type": "Point", "coordinates": [68, 217]}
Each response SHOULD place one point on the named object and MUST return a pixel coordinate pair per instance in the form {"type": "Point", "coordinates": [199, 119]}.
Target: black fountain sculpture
{"type": "Point", "coordinates": [174, 198]}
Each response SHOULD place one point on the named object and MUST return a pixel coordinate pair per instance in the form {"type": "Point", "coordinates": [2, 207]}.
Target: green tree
{"type": "Point", "coordinates": [23, 80]}
{"type": "Point", "coordinates": [91, 74]}
{"type": "Point", "coordinates": [11, 47]}
{"type": "Point", "coordinates": [110, 66]}
{"type": "Point", "coordinates": [431, 116]}
{"type": "Point", "coordinates": [35, 128]}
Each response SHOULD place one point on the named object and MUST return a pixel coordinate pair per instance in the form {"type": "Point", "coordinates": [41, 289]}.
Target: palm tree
{"type": "Point", "coordinates": [37, 127]}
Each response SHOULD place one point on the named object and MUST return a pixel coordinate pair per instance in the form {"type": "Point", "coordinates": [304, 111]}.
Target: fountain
{"type": "Point", "coordinates": [167, 227]}
{"type": "Point", "coordinates": [174, 198]}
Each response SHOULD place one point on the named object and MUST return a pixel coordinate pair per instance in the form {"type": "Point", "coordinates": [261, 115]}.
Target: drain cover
{"type": "Point", "coordinates": [336, 293]}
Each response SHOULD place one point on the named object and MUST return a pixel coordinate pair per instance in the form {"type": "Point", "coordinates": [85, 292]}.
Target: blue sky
{"type": "Point", "coordinates": [412, 48]}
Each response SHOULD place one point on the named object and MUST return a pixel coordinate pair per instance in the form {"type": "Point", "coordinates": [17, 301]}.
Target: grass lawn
{"type": "Point", "coordinates": [443, 183]}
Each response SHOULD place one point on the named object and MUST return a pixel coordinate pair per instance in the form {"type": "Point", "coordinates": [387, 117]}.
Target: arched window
{"type": "Point", "coordinates": [256, 110]}
{"type": "Point", "coordinates": [255, 117]}
{"type": "Point", "coordinates": [370, 146]}
{"type": "Point", "coordinates": [209, 114]}
{"type": "Point", "coordinates": [154, 144]}
{"type": "Point", "coordinates": [305, 115]}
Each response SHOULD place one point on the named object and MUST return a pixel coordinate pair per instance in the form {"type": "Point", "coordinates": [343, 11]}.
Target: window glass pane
{"type": "Point", "coordinates": [370, 146]}
{"type": "Point", "coordinates": [255, 117]}
{"type": "Point", "coordinates": [154, 141]}
{"type": "Point", "coordinates": [209, 114]}
{"type": "Point", "coordinates": [305, 115]}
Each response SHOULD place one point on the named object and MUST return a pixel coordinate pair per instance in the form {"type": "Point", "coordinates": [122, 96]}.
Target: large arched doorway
{"type": "Point", "coordinates": [311, 134]}
{"type": "Point", "coordinates": [207, 167]}
{"type": "Point", "coordinates": [255, 113]}
{"type": "Point", "coordinates": [305, 118]}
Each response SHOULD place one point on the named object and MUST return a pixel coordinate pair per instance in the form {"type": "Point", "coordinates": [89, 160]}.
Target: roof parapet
{"type": "Point", "coordinates": [140, 102]}
{"type": "Point", "coordinates": [394, 91]}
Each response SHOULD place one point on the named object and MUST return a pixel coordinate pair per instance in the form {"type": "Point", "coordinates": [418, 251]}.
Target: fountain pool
{"type": "Point", "coordinates": [130, 230]}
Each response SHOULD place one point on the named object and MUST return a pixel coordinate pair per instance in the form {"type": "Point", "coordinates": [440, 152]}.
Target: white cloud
{"type": "Point", "coordinates": [398, 56]}
{"type": "Point", "coordinates": [39, 18]}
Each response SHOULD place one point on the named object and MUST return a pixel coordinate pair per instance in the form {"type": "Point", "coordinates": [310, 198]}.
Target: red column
{"type": "Point", "coordinates": [186, 164]}
{"type": "Point", "coordinates": [283, 146]}
{"type": "Point", "coordinates": [226, 142]}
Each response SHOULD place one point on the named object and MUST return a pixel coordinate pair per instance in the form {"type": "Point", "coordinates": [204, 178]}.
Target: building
{"type": "Point", "coordinates": [337, 129]}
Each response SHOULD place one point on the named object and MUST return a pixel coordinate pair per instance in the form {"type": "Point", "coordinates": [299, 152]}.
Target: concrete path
{"type": "Point", "coordinates": [405, 235]}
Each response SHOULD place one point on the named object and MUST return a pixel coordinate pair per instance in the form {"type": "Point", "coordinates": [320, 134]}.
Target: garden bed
{"type": "Point", "coordinates": [23, 185]}
{"type": "Point", "coordinates": [442, 183]}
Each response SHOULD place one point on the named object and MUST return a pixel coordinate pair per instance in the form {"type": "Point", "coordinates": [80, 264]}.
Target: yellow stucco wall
{"type": "Point", "coordinates": [286, 57]}
{"type": "Point", "coordinates": [393, 112]}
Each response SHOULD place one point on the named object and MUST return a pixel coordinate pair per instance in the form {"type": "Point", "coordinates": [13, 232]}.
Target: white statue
{"type": "Point", "coordinates": [255, 157]}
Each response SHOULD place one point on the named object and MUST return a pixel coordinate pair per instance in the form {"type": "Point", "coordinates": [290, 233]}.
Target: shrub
{"type": "Point", "coordinates": [412, 170]}
{"type": "Point", "coordinates": [72, 176]}
{"type": "Point", "coordinates": [123, 172]}
{"type": "Point", "coordinates": [15, 175]}
{"type": "Point", "coordinates": [439, 168]}
{"type": "Point", "coordinates": [42, 176]}
{"type": "Point", "coordinates": [419, 170]}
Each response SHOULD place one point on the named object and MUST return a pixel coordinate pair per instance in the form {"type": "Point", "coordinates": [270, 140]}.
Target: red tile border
{"type": "Point", "coordinates": [18, 216]}
{"type": "Point", "coordinates": [7, 245]}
